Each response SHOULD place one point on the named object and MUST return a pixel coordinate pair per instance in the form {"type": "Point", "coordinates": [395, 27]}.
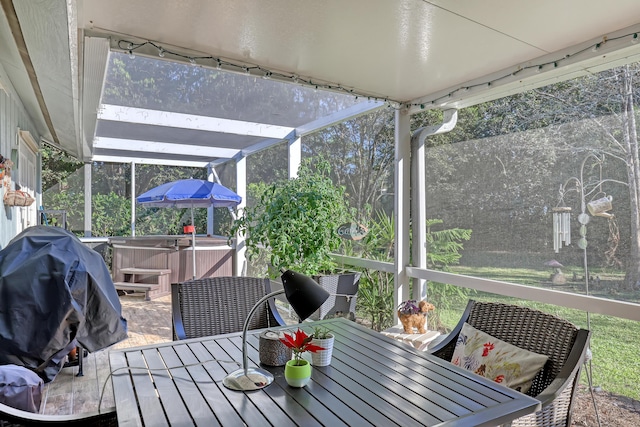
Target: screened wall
{"type": "Point", "coordinates": [492, 187]}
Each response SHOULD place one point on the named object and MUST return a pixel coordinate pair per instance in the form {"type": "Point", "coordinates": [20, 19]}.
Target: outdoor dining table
{"type": "Point", "coordinates": [372, 380]}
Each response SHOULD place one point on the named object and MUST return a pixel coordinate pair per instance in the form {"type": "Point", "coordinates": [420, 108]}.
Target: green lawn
{"type": "Point", "coordinates": [615, 342]}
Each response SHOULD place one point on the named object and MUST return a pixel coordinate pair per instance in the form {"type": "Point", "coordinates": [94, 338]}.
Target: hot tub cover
{"type": "Point", "coordinates": [54, 290]}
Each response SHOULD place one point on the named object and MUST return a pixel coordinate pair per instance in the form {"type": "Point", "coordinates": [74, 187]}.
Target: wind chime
{"type": "Point", "coordinates": [561, 224]}
{"type": "Point", "coordinates": [561, 227]}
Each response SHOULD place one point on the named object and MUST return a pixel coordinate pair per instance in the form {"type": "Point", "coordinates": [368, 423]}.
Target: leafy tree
{"type": "Point", "coordinates": [361, 152]}
{"type": "Point", "coordinates": [110, 215]}
{"type": "Point", "coordinates": [57, 166]}
{"type": "Point", "coordinates": [444, 246]}
{"type": "Point", "coordinates": [494, 180]}
{"type": "Point", "coordinates": [444, 250]}
{"type": "Point", "coordinates": [604, 106]}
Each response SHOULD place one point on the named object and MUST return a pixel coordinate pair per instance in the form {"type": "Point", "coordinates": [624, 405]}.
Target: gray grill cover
{"type": "Point", "coordinates": [20, 388]}
{"type": "Point", "coordinates": [54, 290]}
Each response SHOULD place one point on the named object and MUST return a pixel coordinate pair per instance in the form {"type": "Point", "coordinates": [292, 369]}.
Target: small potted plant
{"type": "Point", "coordinates": [297, 371]}
{"type": "Point", "coordinates": [322, 337]}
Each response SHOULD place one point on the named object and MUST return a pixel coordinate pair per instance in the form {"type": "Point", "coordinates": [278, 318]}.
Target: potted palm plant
{"type": "Point", "coordinates": [296, 221]}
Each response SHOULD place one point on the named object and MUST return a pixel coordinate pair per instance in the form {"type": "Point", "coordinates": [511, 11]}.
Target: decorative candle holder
{"type": "Point", "coordinates": [272, 351]}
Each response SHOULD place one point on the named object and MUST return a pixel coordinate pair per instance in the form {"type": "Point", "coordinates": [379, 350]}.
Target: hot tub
{"type": "Point", "coordinates": [214, 257]}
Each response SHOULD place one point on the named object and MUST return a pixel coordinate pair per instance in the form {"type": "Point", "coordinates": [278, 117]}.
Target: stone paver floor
{"type": "Point", "coordinates": [148, 322]}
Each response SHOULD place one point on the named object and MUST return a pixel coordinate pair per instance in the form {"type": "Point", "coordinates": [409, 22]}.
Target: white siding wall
{"type": "Point", "coordinates": [12, 117]}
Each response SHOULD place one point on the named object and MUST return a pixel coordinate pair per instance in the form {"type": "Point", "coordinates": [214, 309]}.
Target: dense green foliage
{"type": "Point", "coordinates": [57, 166]}
{"type": "Point", "coordinates": [297, 219]}
{"type": "Point", "coordinates": [444, 249]}
{"type": "Point", "coordinates": [444, 246]}
{"type": "Point", "coordinates": [63, 184]}
{"type": "Point", "coordinates": [499, 171]}
{"type": "Point", "coordinates": [376, 292]}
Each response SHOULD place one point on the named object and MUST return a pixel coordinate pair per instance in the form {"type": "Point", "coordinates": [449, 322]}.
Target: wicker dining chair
{"type": "Point", "coordinates": [11, 417]}
{"type": "Point", "coordinates": [220, 305]}
{"type": "Point", "coordinates": [566, 345]}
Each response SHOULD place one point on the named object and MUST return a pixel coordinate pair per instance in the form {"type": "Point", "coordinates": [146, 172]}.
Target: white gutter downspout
{"type": "Point", "coordinates": [418, 192]}
{"type": "Point", "coordinates": [133, 199]}
{"type": "Point", "coordinates": [87, 199]}
{"type": "Point", "coordinates": [240, 265]}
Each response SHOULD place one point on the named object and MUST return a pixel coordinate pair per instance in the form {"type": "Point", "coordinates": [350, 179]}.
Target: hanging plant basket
{"type": "Point", "coordinates": [17, 198]}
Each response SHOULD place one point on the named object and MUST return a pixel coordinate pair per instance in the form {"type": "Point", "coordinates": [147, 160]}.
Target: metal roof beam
{"type": "Point", "coordinates": [314, 126]}
{"type": "Point", "coordinates": [95, 59]}
{"type": "Point", "coordinates": [148, 161]}
{"type": "Point", "coordinates": [162, 147]}
{"type": "Point", "coordinates": [190, 121]}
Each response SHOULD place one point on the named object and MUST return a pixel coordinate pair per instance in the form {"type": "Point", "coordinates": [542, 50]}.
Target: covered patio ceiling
{"type": "Point", "coordinates": [403, 54]}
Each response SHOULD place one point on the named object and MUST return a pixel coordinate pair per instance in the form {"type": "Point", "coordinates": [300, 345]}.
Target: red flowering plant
{"type": "Point", "coordinates": [300, 342]}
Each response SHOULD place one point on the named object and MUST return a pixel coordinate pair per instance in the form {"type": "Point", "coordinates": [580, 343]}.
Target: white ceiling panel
{"type": "Point", "coordinates": [372, 46]}
{"type": "Point", "coordinates": [402, 50]}
{"type": "Point", "coordinates": [549, 25]}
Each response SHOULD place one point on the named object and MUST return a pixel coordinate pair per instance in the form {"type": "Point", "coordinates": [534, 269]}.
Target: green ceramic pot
{"type": "Point", "coordinates": [297, 372]}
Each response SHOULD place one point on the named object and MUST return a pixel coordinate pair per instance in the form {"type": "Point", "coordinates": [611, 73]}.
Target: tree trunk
{"type": "Point", "coordinates": [632, 278]}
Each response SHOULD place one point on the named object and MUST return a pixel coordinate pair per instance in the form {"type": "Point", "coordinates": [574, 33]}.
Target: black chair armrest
{"type": "Point", "coordinates": [445, 348]}
{"type": "Point", "coordinates": [275, 313]}
{"type": "Point", "coordinates": [569, 371]}
{"type": "Point", "coordinates": [178, 326]}
{"type": "Point", "coordinates": [557, 397]}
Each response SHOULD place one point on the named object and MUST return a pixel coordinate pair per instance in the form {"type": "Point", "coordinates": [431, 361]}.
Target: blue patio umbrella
{"type": "Point", "coordinates": [190, 193]}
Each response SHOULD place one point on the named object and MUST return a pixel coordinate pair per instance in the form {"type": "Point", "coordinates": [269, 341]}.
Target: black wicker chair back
{"type": "Point", "coordinates": [11, 417]}
{"type": "Point", "coordinates": [542, 333]}
{"type": "Point", "coordinates": [220, 305]}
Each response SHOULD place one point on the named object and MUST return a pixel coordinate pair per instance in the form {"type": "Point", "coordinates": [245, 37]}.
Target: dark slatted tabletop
{"type": "Point", "coordinates": [372, 380]}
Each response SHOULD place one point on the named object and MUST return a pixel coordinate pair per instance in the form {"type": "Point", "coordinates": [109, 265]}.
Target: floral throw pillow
{"type": "Point", "coordinates": [492, 358]}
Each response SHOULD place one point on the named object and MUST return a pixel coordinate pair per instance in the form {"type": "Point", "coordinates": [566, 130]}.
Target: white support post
{"type": "Point", "coordinates": [401, 205]}
{"type": "Point", "coordinates": [133, 199]}
{"type": "Point", "coordinates": [295, 156]}
{"type": "Point", "coordinates": [210, 209]}
{"type": "Point", "coordinates": [418, 214]}
{"type": "Point", "coordinates": [87, 199]}
{"type": "Point", "coordinates": [241, 190]}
